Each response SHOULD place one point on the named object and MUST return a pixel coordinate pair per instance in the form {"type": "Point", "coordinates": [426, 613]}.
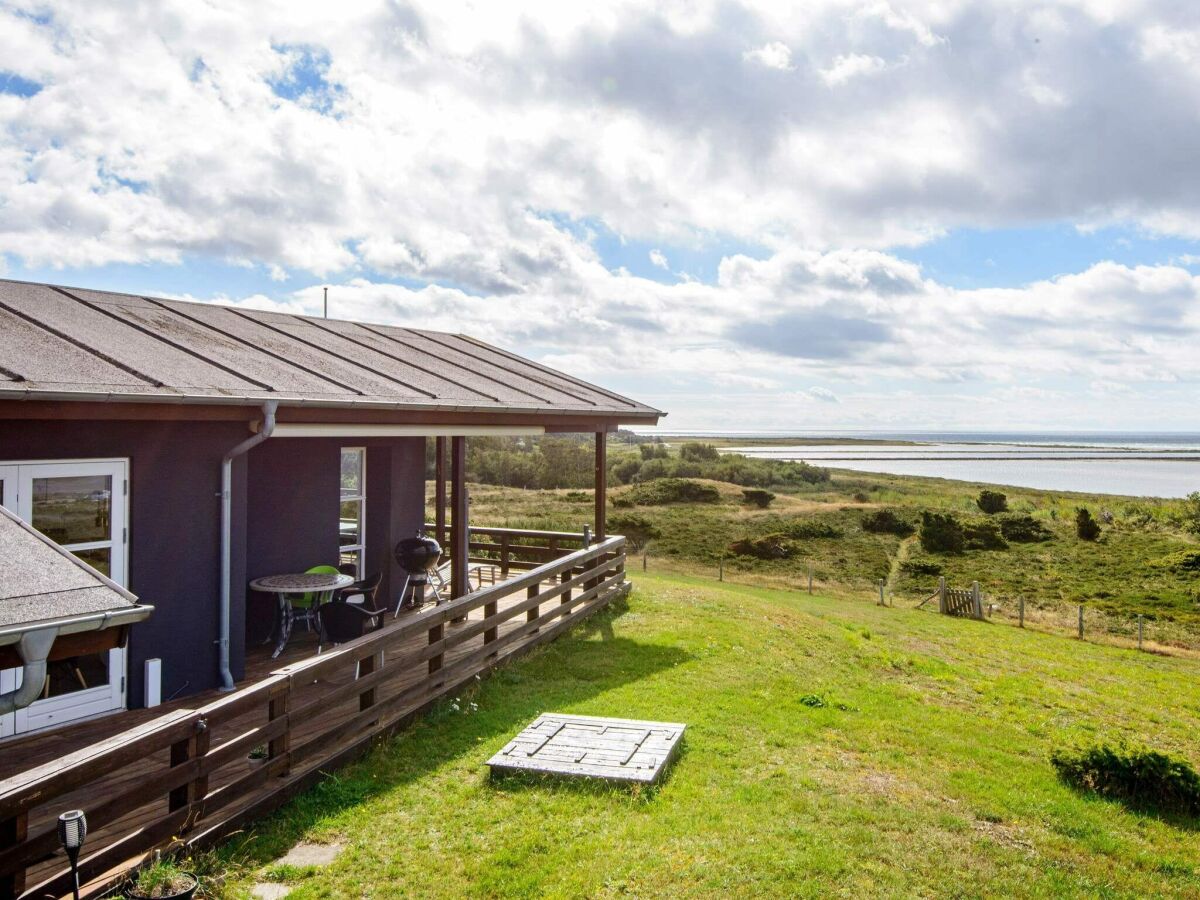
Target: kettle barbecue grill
{"type": "Point", "coordinates": [418, 557]}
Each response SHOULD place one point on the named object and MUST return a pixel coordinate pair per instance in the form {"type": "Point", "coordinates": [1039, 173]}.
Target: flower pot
{"type": "Point", "coordinates": [184, 893]}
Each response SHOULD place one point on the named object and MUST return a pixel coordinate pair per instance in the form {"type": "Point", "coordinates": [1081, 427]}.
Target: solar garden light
{"type": "Point", "coordinates": [72, 829]}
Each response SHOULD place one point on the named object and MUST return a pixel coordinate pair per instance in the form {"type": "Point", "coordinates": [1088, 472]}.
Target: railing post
{"type": "Point", "coordinates": [942, 594]}
{"type": "Point", "coordinates": [489, 610]}
{"type": "Point", "coordinates": [435, 634]}
{"type": "Point", "coordinates": [566, 576]}
{"type": "Point", "coordinates": [366, 666]}
{"type": "Point", "coordinates": [504, 555]}
{"type": "Point", "coordinates": [190, 748]}
{"type": "Point", "coordinates": [976, 600]}
{"type": "Point", "coordinates": [278, 707]}
{"type": "Point", "coordinates": [532, 613]}
{"type": "Point", "coordinates": [12, 832]}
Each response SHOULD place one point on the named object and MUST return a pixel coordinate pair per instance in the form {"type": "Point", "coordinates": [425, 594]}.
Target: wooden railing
{"type": "Point", "coordinates": [518, 548]}
{"type": "Point", "coordinates": [956, 602]}
{"type": "Point", "coordinates": [186, 775]}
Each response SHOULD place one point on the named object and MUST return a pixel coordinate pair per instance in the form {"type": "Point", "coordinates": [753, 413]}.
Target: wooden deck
{"type": "Point", "coordinates": [182, 768]}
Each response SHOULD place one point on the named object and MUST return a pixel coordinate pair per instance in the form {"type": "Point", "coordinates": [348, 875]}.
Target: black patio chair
{"type": "Point", "coordinates": [341, 622]}
{"type": "Point", "coordinates": [367, 588]}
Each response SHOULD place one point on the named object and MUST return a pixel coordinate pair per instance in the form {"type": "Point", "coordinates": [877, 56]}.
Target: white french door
{"type": "Point", "coordinates": [82, 507]}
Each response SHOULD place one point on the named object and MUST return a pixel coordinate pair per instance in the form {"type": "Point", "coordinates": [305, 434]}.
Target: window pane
{"type": "Point", "coordinates": [349, 557]}
{"type": "Point", "coordinates": [74, 509]}
{"type": "Point", "coordinates": [348, 530]}
{"type": "Point", "coordinates": [78, 673]}
{"type": "Point", "coordinates": [100, 559]}
{"type": "Point", "coordinates": [352, 474]}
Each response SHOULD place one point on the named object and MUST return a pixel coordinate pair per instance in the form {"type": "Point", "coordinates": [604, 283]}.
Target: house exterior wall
{"type": "Point", "coordinates": [285, 509]}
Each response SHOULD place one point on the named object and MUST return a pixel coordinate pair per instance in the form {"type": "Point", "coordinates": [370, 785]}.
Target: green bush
{"type": "Point", "coordinates": [757, 497]}
{"type": "Point", "coordinates": [1086, 527]}
{"type": "Point", "coordinates": [1191, 512]}
{"type": "Point", "coordinates": [637, 529]}
{"type": "Point", "coordinates": [811, 529]}
{"type": "Point", "coordinates": [992, 502]}
{"type": "Point", "coordinates": [693, 451]}
{"type": "Point", "coordinates": [1180, 561]}
{"type": "Point", "coordinates": [1139, 777]}
{"type": "Point", "coordinates": [769, 546]}
{"type": "Point", "coordinates": [1023, 529]}
{"type": "Point", "coordinates": [983, 536]}
{"type": "Point", "coordinates": [941, 533]}
{"type": "Point", "coordinates": [886, 521]}
{"type": "Point", "coordinates": [653, 451]}
{"type": "Point", "coordinates": [578, 497]}
{"type": "Point", "coordinates": [920, 568]}
{"type": "Point", "coordinates": [672, 490]}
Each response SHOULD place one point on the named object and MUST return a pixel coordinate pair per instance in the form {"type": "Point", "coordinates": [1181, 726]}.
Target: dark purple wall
{"type": "Point", "coordinates": [285, 519]}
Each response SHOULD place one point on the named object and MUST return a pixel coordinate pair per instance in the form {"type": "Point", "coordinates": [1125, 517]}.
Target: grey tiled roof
{"type": "Point", "coordinates": [41, 582]}
{"type": "Point", "coordinates": [70, 343]}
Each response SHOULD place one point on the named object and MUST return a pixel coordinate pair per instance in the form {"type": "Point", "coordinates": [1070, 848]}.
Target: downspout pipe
{"type": "Point", "coordinates": [33, 648]}
{"type": "Point", "coordinates": [265, 430]}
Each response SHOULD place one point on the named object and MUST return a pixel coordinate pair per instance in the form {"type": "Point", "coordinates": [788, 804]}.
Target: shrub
{"type": "Point", "coordinates": [1180, 561]}
{"type": "Point", "coordinates": [697, 452]}
{"type": "Point", "coordinates": [1023, 529]}
{"type": "Point", "coordinates": [885, 521]}
{"type": "Point", "coordinates": [769, 546]}
{"type": "Point", "coordinates": [637, 529]}
{"type": "Point", "coordinates": [758, 497]}
{"type": "Point", "coordinates": [810, 529]}
{"type": "Point", "coordinates": [920, 568]}
{"type": "Point", "coordinates": [860, 497]}
{"type": "Point", "coordinates": [1086, 527]}
{"type": "Point", "coordinates": [672, 490]}
{"type": "Point", "coordinates": [992, 502]}
{"type": "Point", "coordinates": [577, 497]}
{"type": "Point", "coordinates": [653, 451]}
{"type": "Point", "coordinates": [621, 501]}
{"type": "Point", "coordinates": [1191, 512]}
{"type": "Point", "coordinates": [1139, 777]}
{"type": "Point", "coordinates": [983, 536]}
{"type": "Point", "coordinates": [941, 533]}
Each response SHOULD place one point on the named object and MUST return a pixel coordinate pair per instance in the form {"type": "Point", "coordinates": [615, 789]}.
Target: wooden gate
{"type": "Point", "coordinates": [954, 602]}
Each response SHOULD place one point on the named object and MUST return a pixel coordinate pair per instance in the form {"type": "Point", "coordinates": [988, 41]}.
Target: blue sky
{"type": "Point", "coordinates": [723, 208]}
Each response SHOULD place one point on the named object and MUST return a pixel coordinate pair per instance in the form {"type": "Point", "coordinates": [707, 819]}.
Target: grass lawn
{"type": "Point", "coordinates": [834, 748]}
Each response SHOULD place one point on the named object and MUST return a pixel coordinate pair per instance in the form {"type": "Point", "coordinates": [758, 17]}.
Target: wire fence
{"type": "Point", "coordinates": [1077, 621]}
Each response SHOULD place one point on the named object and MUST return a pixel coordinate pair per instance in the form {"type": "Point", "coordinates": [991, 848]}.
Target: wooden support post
{"type": "Point", "coordinates": [881, 585]}
{"type": "Point", "coordinates": [365, 667]}
{"type": "Point", "coordinates": [601, 497]}
{"type": "Point", "coordinates": [183, 751]}
{"type": "Point", "coordinates": [1081, 621]}
{"type": "Point", "coordinates": [643, 560]}
{"type": "Point", "coordinates": [1139, 632]}
{"type": "Point", "coordinates": [279, 706]}
{"type": "Point", "coordinates": [459, 527]}
{"type": "Point", "coordinates": [505, 554]}
{"type": "Point", "coordinates": [13, 832]}
{"type": "Point", "coordinates": [567, 576]}
{"type": "Point", "coordinates": [436, 633]}
{"type": "Point", "coordinates": [1021, 612]}
{"type": "Point", "coordinates": [721, 569]}
{"type": "Point", "coordinates": [810, 578]}
{"type": "Point", "coordinates": [489, 610]}
{"type": "Point", "coordinates": [530, 592]}
{"type": "Point", "coordinates": [976, 600]}
{"type": "Point", "coordinates": [942, 594]}
{"type": "Point", "coordinates": [439, 483]}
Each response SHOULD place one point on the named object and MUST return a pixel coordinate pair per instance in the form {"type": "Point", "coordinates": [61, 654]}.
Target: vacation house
{"type": "Point", "coordinates": [185, 449]}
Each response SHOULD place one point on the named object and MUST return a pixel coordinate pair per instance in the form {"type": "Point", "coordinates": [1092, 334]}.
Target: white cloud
{"type": "Point", "coordinates": [774, 55]}
{"type": "Point", "coordinates": [844, 68]}
{"type": "Point", "coordinates": [658, 258]}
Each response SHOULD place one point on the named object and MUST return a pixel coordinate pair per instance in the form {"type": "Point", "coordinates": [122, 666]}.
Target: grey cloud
{"type": "Point", "coordinates": [811, 334]}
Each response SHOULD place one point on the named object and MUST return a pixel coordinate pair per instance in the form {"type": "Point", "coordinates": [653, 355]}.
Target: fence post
{"type": "Point", "coordinates": [942, 594]}
{"type": "Point", "coordinates": [644, 552]}
{"type": "Point", "coordinates": [1139, 632]}
{"type": "Point", "coordinates": [1020, 612]}
{"type": "Point", "coordinates": [881, 603]}
{"type": "Point", "coordinates": [567, 576]}
{"type": "Point", "coordinates": [721, 569]}
{"type": "Point", "coordinates": [504, 556]}
{"type": "Point", "coordinates": [279, 706]}
{"type": "Point", "coordinates": [1081, 621]}
{"type": "Point", "coordinates": [810, 576]}
{"type": "Point", "coordinates": [436, 633]}
{"type": "Point", "coordinates": [977, 600]}
{"type": "Point", "coordinates": [587, 536]}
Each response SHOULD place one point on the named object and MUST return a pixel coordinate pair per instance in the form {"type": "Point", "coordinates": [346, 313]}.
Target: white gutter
{"type": "Point", "coordinates": [264, 432]}
{"type": "Point", "coordinates": [97, 621]}
{"type": "Point", "coordinates": [327, 430]}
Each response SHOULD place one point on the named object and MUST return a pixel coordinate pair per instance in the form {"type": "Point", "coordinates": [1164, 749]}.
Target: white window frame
{"type": "Point", "coordinates": [361, 497]}
{"type": "Point", "coordinates": [18, 476]}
